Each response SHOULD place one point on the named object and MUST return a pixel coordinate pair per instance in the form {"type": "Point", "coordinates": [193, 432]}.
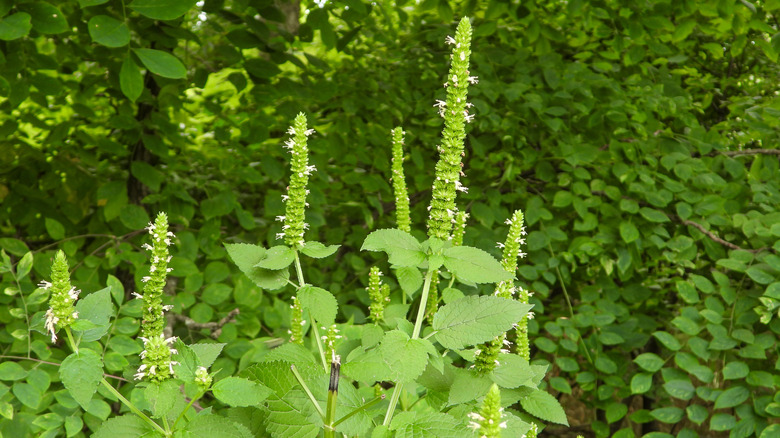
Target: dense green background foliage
{"type": "Point", "coordinates": [632, 135]}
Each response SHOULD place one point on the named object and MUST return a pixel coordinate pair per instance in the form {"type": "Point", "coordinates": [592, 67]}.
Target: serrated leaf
{"type": "Point", "coordinates": [187, 362]}
{"type": "Point", "coordinates": [292, 417]}
{"type": "Point", "coordinates": [410, 279]}
{"type": "Point", "coordinates": [513, 371]}
{"type": "Point", "coordinates": [81, 374]}
{"type": "Point", "coordinates": [474, 319]}
{"type": "Point", "coordinates": [161, 63]}
{"type": "Point", "coordinates": [366, 366]}
{"type": "Point", "coordinates": [212, 426]}
{"type": "Point", "coordinates": [108, 31]}
{"type": "Point", "coordinates": [206, 353]}
{"type": "Point", "coordinates": [246, 256]}
{"type": "Point", "coordinates": [473, 264]}
{"type": "Point", "coordinates": [277, 257]}
{"type": "Point", "coordinates": [238, 391]}
{"type": "Point", "coordinates": [318, 250]}
{"type": "Point", "coordinates": [467, 386]}
{"type": "Point", "coordinates": [126, 426]}
{"type": "Point", "coordinates": [321, 303]}
{"type": "Point", "coordinates": [15, 26]}
{"type": "Point", "coordinates": [162, 397]}
{"type": "Point", "coordinates": [543, 405]}
{"type": "Point", "coordinates": [427, 425]}
{"type": "Point", "coordinates": [402, 249]}
{"type": "Point", "coordinates": [162, 9]}
{"type": "Point", "coordinates": [98, 309]}
{"type": "Point", "coordinates": [405, 358]}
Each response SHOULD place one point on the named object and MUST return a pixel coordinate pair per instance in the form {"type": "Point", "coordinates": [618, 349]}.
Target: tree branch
{"type": "Point", "coordinates": [215, 327]}
{"type": "Point", "coordinates": [747, 152]}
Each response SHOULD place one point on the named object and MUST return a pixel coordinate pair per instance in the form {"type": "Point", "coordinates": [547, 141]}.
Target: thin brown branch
{"type": "Point", "coordinates": [215, 327]}
{"type": "Point", "coordinates": [715, 238]}
{"type": "Point", "coordinates": [747, 152]}
{"type": "Point", "coordinates": [55, 364]}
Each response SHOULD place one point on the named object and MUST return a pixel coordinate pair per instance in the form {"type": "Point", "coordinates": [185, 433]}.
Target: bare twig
{"type": "Point", "coordinates": [747, 152]}
{"type": "Point", "coordinates": [715, 238]}
{"type": "Point", "coordinates": [215, 327]}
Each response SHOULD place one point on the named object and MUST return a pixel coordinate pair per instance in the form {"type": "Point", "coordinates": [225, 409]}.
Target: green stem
{"type": "Point", "coordinates": [415, 334]}
{"type": "Point", "coordinates": [26, 313]}
{"type": "Point", "coordinates": [333, 393]}
{"type": "Point", "coordinates": [314, 327]}
{"type": "Point", "coordinates": [132, 408]}
{"type": "Point", "coordinates": [308, 392]}
{"type": "Point", "coordinates": [73, 344]}
{"type": "Point", "coordinates": [356, 411]}
{"type": "Point", "coordinates": [186, 408]}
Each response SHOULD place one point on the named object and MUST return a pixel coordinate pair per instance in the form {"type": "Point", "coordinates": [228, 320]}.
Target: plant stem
{"type": "Point", "coordinates": [132, 408]}
{"type": "Point", "coordinates": [186, 408]}
{"type": "Point", "coordinates": [314, 327]}
{"type": "Point", "coordinates": [26, 313]}
{"type": "Point", "coordinates": [333, 393]}
{"type": "Point", "coordinates": [307, 391]}
{"type": "Point", "coordinates": [364, 407]}
{"type": "Point", "coordinates": [73, 344]}
{"type": "Point", "coordinates": [415, 334]}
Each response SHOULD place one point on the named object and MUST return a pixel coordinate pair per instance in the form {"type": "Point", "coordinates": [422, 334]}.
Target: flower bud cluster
{"type": "Point", "coordinates": [403, 220]}
{"type": "Point", "coordinates": [62, 311]}
{"type": "Point", "coordinates": [433, 297]}
{"type": "Point", "coordinates": [459, 229]}
{"type": "Point", "coordinates": [487, 422]}
{"type": "Point", "coordinates": [156, 357]}
{"type": "Point", "coordinates": [202, 378]}
{"type": "Point", "coordinates": [329, 338]}
{"type": "Point", "coordinates": [294, 219]}
{"type": "Point", "coordinates": [487, 358]}
{"type": "Point", "coordinates": [378, 293]}
{"type": "Point", "coordinates": [296, 322]}
{"type": "Point", "coordinates": [455, 111]}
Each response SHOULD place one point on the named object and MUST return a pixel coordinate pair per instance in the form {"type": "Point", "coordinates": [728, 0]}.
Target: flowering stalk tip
{"type": "Point", "coordinates": [296, 322]}
{"type": "Point", "coordinates": [156, 357]}
{"type": "Point", "coordinates": [455, 111]}
{"type": "Point", "coordinates": [403, 220]}
{"type": "Point", "coordinates": [62, 311]}
{"type": "Point", "coordinates": [330, 338]}
{"type": "Point", "coordinates": [295, 199]}
{"type": "Point", "coordinates": [378, 293]}
{"type": "Point", "coordinates": [460, 228]}
{"type": "Point", "coordinates": [487, 422]}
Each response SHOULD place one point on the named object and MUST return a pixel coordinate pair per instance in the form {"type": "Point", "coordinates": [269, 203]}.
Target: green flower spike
{"type": "Point", "coordinates": [455, 111]}
{"type": "Point", "coordinates": [156, 362]}
{"type": "Point", "coordinates": [332, 334]}
{"type": "Point", "coordinates": [487, 422]}
{"type": "Point", "coordinates": [433, 297]}
{"type": "Point", "coordinates": [295, 199]}
{"type": "Point", "coordinates": [202, 378]}
{"type": "Point", "coordinates": [296, 322]}
{"type": "Point", "coordinates": [487, 356]}
{"type": "Point", "coordinates": [378, 293]}
{"type": "Point", "coordinates": [403, 220]}
{"type": "Point", "coordinates": [62, 312]}
{"type": "Point", "coordinates": [460, 228]}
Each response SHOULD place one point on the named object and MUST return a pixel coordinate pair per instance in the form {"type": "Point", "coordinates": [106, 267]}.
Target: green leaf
{"type": "Point", "coordinates": [46, 18]}
{"type": "Point", "coordinates": [215, 426]}
{"type": "Point", "coordinates": [735, 370]}
{"type": "Point", "coordinates": [81, 374]}
{"type": "Point", "coordinates": [108, 31]}
{"type": "Point", "coordinates": [667, 340]}
{"type": "Point", "coordinates": [126, 426]}
{"type": "Point", "coordinates": [513, 371]}
{"type": "Point", "coordinates": [260, 68]}
{"type": "Point", "coordinates": [667, 415]}
{"type": "Point", "coordinates": [86, 3]}
{"type": "Point", "coordinates": [641, 383]}
{"type": "Point", "coordinates": [24, 266]}
{"type": "Point", "coordinates": [98, 309]}
{"type": "Point", "coordinates": [427, 425]}
{"type": "Point", "coordinates": [147, 174]}
{"type": "Point", "coordinates": [206, 353]}
{"type": "Point", "coordinates": [134, 216]}
{"type": "Point", "coordinates": [161, 63]}
{"type": "Point", "coordinates": [131, 81]}
{"type": "Point", "coordinates": [410, 279]}
{"type": "Point", "coordinates": [15, 26]}
{"type": "Point", "coordinates": [731, 397]}
{"type": "Point", "coordinates": [402, 249]}
{"type": "Point", "coordinates": [406, 358]}
{"type": "Point", "coordinates": [616, 411]}
{"type": "Point", "coordinates": [653, 215]}
{"type": "Point", "coordinates": [238, 391]}
{"type": "Point", "coordinates": [628, 232]}
{"type": "Point", "coordinates": [682, 389]}
{"type": "Point", "coordinates": [277, 257]}
{"type": "Point", "coordinates": [366, 366]}
{"type": "Point", "coordinates": [475, 319]}
{"type": "Point", "coordinates": [162, 397]}
{"type": "Point", "coordinates": [475, 265]}
{"type": "Point", "coordinates": [318, 250]}
{"type": "Point", "coordinates": [543, 405]}
{"type": "Point", "coordinates": [759, 275]}
{"type": "Point", "coordinates": [321, 303]}
{"type": "Point", "coordinates": [247, 256]}
{"type": "Point", "coordinates": [649, 362]}
{"type": "Point", "coordinates": [54, 228]}
{"type": "Point", "coordinates": [162, 9]}
{"type": "Point", "coordinates": [29, 395]}
{"type": "Point", "coordinates": [12, 371]}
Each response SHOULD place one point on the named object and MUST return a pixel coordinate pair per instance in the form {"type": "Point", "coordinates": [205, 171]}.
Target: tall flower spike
{"type": "Point", "coordinates": [330, 338]}
{"type": "Point", "coordinates": [296, 322]}
{"type": "Point", "coordinates": [433, 297]}
{"type": "Point", "coordinates": [378, 293]}
{"type": "Point", "coordinates": [460, 228]}
{"type": "Point", "coordinates": [403, 221]}
{"type": "Point", "coordinates": [456, 113]}
{"type": "Point", "coordinates": [294, 217]}
{"type": "Point", "coordinates": [487, 359]}
{"type": "Point", "coordinates": [487, 422]}
{"type": "Point", "coordinates": [156, 357]}
{"type": "Point", "coordinates": [62, 310]}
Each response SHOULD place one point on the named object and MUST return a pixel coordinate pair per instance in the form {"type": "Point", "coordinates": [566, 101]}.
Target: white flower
{"type": "Point", "coordinates": [449, 40]}
{"type": "Point", "coordinates": [137, 295]}
{"type": "Point", "coordinates": [44, 284]}
{"type": "Point", "coordinates": [145, 279]}
{"type": "Point", "coordinates": [51, 320]}
{"type": "Point", "coordinates": [473, 79]}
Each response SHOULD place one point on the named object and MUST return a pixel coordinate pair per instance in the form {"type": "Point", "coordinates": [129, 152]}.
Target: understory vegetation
{"type": "Point", "coordinates": [393, 218]}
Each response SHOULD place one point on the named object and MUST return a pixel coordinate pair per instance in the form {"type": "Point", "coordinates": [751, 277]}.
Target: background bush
{"type": "Point", "coordinates": [637, 137]}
